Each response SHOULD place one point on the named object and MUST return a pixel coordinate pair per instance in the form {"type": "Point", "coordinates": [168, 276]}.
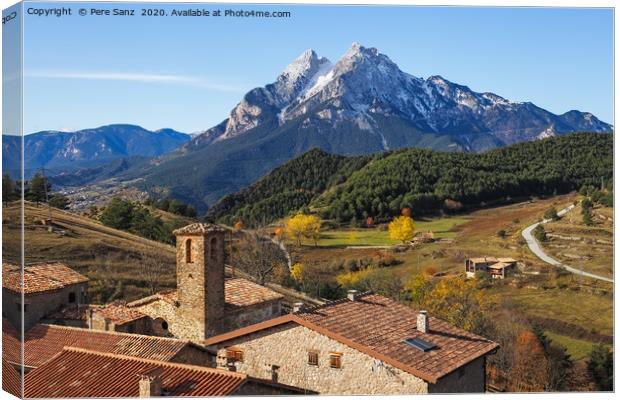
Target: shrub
{"type": "Point", "coordinates": [501, 234]}
{"type": "Point", "coordinates": [552, 214]}
{"type": "Point", "coordinates": [601, 367]}
{"type": "Point", "coordinates": [540, 234]}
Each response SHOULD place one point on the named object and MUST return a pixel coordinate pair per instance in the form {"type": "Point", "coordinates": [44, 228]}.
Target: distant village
{"type": "Point", "coordinates": [217, 336]}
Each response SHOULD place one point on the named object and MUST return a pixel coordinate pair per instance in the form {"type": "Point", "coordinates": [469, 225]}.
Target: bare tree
{"type": "Point", "coordinates": [257, 255]}
{"type": "Point", "coordinates": [152, 269]}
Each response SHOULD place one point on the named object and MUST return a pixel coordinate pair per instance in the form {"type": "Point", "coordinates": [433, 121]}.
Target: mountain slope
{"type": "Point", "coordinates": [362, 104]}
{"type": "Point", "coordinates": [67, 151]}
{"type": "Point", "coordinates": [343, 188]}
{"type": "Point", "coordinates": [365, 88]}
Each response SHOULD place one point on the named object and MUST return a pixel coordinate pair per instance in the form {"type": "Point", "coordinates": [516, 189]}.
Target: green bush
{"type": "Point", "coordinates": [539, 233]}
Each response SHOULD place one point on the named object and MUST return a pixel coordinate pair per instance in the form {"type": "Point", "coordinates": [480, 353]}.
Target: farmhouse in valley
{"type": "Point", "coordinates": [364, 344]}
{"type": "Point", "coordinates": [497, 268]}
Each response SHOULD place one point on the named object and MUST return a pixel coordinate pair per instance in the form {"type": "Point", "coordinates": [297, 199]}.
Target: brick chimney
{"type": "Point", "coordinates": [150, 383]}
{"type": "Point", "coordinates": [422, 322]}
{"type": "Point", "coordinates": [297, 307]}
{"type": "Point", "coordinates": [352, 295]}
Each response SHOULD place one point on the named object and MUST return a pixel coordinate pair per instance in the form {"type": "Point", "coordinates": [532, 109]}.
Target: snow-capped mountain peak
{"type": "Point", "coordinates": [364, 87]}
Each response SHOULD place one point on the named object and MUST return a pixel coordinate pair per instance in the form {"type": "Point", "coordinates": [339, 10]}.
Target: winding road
{"type": "Point", "coordinates": [537, 250]}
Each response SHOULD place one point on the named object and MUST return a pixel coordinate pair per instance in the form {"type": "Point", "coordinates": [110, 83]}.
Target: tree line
{"type": "Point", "coordinates": [426, 181]}
{"type": "Point", "coordinates": [173, 206]}
{"type": "Point", "coordinates": [138, 219]}
{"type": "Point", "coordinates": [38, 189]}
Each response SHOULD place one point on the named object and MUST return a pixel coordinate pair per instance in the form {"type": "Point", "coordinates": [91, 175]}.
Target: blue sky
{"type": "Point", "coordinates": [188, 73]}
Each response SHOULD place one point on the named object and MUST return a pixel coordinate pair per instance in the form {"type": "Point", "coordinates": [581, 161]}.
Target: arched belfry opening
{"type": "Point", "coordinates": [213, 248]}
{"type": "Point", "coordinates": [188, 251]}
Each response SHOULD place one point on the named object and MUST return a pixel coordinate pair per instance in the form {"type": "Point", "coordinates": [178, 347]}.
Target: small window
{"type": "Point", "coordinates": [213, 248]}
{"type": "Point", "coordinates": [313, 357]}
{"type": "Point", "coordinates": [234, 355]}
{"type": "Point", "coordinates": [72, 297]}
{"type": "Point", "coordinates": [164, 325]}
{"type": "Point", "coordinates": [188, 251]}
{"type": "Point", "coordinates": [335, 360]}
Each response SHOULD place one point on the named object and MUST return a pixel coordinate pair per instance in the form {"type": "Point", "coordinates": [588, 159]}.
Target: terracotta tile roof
{"type": "Point", "coordinates": [198, 229]}
{"type": "Point", "coordinates": [11, 343]}
{"type": "Point", "coordinates": [11, 380]}
{"type": "Point", "coordinates": [378, 326]}
{"type": "Point", "coordinates": [238, 292]}
{"type": "Point", "coordinates": [484, 260]}
{"type": "Point", "coordinates": [39, 277]}
{"type": "Point", "coordinates": [119, 313]}
{"type": "Point", "coordinates": [83, 373]}
{"type": "Point", "coordinates": [45, 341]}
{"type": "Point", "coordinates": [500, 265]}
{"type": "Point", "coordinates": [76, 312]}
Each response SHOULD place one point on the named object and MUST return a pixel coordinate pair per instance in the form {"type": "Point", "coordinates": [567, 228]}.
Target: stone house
{"type": "Point", "coordinates": [204, 304]}
{"type": "Point", "coordinates": [47, 287]}
{"type": "Point", "coordinates": [364, 344]}
{"type": "Point", "coordinates": [85, 373]}
{"type": "Point", "coordinates": [496, 267]}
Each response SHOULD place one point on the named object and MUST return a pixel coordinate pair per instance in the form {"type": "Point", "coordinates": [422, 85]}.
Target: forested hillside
{"type": "Point", "coordinates": [343, 188]}
{"type": "Point", "coordinates": [286, 188]}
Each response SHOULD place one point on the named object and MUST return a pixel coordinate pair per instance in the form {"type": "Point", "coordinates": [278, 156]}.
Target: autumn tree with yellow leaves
{"type": "Point", "coordinates": [302, 225]}
{"type": "Point", "coordinates": [402, 229]}
{"type": "Point", "coordinates": [452, 299]}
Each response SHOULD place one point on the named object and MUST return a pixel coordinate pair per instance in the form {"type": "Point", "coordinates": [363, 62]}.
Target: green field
{"type": "Point", "coordinates": [578, 349]}
{"type": "Point", "coordinates": [441, 228]}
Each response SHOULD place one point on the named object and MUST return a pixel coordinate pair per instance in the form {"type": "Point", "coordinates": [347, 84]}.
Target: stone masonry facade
{"type": "Point", "coordinates": [38, 305]}
{"type": "Point", "coordinates": [281, 353]}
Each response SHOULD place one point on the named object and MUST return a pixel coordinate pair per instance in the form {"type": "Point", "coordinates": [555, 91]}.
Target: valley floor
{"type": "Point", "coordinates": [576, 312]}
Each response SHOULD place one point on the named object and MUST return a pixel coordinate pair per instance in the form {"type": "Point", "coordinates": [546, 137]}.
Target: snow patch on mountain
{"type": "Point", "coordinates": [364, 83]}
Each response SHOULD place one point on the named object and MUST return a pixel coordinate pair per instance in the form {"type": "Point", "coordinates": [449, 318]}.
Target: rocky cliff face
{"type": "Point", "coordinates": [365, 89]}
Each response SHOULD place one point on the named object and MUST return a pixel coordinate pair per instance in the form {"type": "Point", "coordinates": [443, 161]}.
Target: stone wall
{"type": "Point", "coordinates": [178, 326]}
{"type": "Point", "coordinates": [194, 356]}
{"type": "Point", "coordinates": [200, 280]}
{"type": "Point", "coordinates": [141, 325]}
{"type": "Point", "coordinates": [40, 304]}
{"type": "Point", "coordinates": [281, 353]}
{"type": "Point", "coordinates": [470, 378]}
{"type": "Point", "coordinates": [258, 388]}
{"type": "Point", "coordinates": [184, 327]}
{"type": "Point", "coordinates": [245, 316]}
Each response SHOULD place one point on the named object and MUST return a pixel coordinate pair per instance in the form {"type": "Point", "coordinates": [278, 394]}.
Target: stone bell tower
{"type": "Point", "coordinates": [200, 276]}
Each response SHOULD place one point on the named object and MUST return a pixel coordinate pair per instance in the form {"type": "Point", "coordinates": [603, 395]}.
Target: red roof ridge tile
{"type": "Point", "coordinates": [148, 360]}
{"type": "Point", "coordinates": [113, 333]}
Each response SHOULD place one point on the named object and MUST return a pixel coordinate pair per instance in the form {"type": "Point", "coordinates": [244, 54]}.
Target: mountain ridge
{"type": "Point", "coordinates": [361, 104]}
{"type": "Point", "coordinates": [68, 151]}
{"type": "Point", "coordinates": [364, 82]}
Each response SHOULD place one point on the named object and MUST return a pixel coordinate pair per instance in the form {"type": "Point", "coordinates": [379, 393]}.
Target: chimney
{"type": "Point", "coordinates": [150, 382]}
{"type": "Point", "coordinates": [422, 322]}
{"type": "Point", "coordinates": [352, 295]}
{"type": "Point", "coordinates": [90, 318]}
{"type": "Point", "coordinates": [297, 307]}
